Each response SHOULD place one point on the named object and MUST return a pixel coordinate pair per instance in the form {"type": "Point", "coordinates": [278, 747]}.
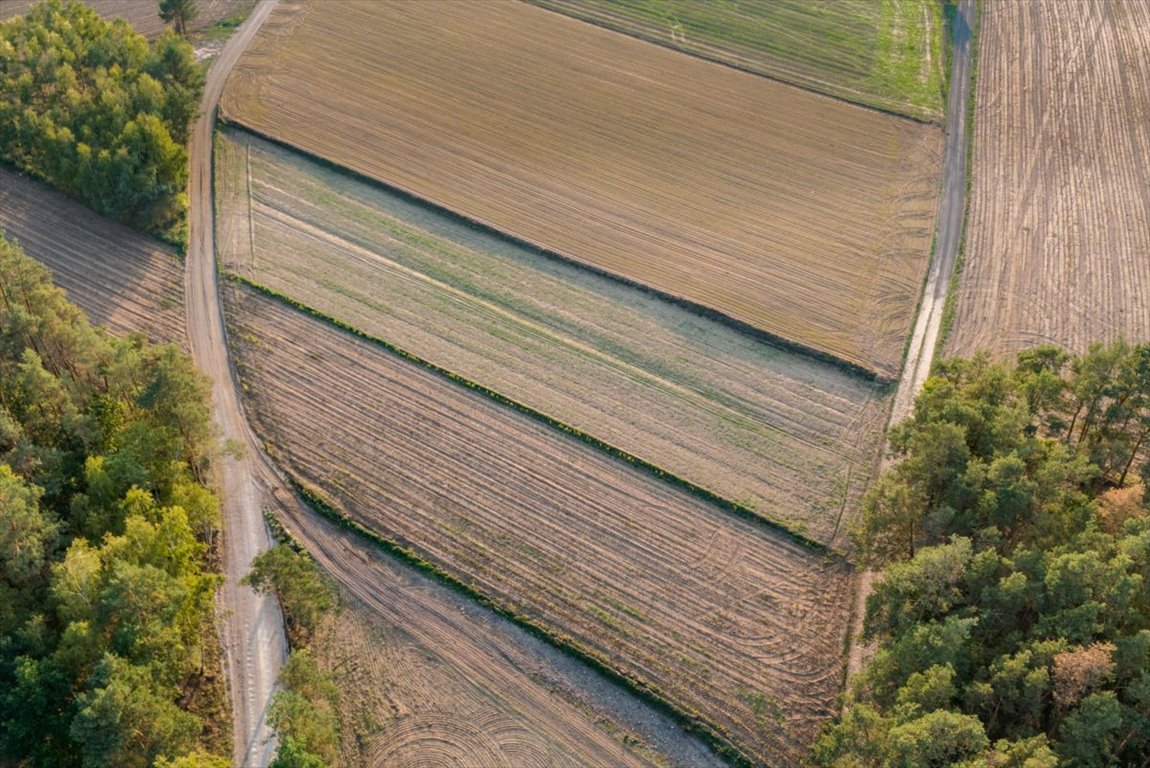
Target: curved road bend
{"type": "Point", "coordinates": [254, 645]}
{"type": "Point", "coordinates": [920, 354]}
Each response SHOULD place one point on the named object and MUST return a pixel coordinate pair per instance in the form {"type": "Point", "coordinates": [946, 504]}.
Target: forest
{"type": "Point", "coordinates": [1012, 619]}
{"type": "Point", "coordinates": [106, 594]}
{"type": "Point", "coordinates": [92, 108]}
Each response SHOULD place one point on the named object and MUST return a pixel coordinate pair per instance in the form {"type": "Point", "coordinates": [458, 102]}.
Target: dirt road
{"type": "Point", "coordinates": [920, 355]}
{"type": "Point", "coordinates": [254, 640]}
{"type": "Point", "coordinates": [253, 629]}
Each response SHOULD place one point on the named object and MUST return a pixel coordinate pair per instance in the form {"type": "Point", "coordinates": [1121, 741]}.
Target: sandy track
{"type": "Point", "coordinates": [726, 617]}
{"type": "Point", "coordinates": [788, 211]}
{"type": "Point", "coordinates": [451, 684]}
{"type": "Point", "coordinates": [793, 438]}
{"type": "Point", "coordinates": [1059, 245]}
{"type": "Point", "coordinates": [253, 638]}
{"type": "Point", "coordinates": [125, 281]}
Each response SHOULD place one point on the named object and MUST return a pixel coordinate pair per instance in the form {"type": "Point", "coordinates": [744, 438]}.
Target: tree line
{"type": "Point", "coordinates": [105, 593]}
{"type": "Point", "coordinates": [92, 108]}
{"type": "Point", "coordinates": [1012, 618]}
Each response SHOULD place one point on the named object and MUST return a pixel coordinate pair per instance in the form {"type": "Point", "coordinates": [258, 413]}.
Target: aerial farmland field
{"type": "Point", "coordinates": [884, 53]}
{"type": "Point", "coordinates": [801, 216]}
{"type": "Point", "coordinates": [1058, 236]}
{"type": "Point", "coordinates": [792, 438]}
{"type": "Point", "coordinates": [126, 281]}
{"type": "Point", "coordinates": [723, 617]}
{"type": "Point", "coordinates": [427, 678]}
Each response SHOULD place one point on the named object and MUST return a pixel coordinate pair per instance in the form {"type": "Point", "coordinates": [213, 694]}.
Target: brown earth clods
{"type": "Point", "coordinates": [1058, 235]}
{"type": "Point", "coordinates": [793, 213]}
{"type": "Point", "coordinates": [723, 617]}
{"type": "Point", "coordinates": [123, 280]}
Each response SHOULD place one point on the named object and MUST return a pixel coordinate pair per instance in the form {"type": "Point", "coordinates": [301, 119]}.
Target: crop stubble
{"type": "Point", "coordinates": [123, 280]}
{"type": "Point", "coordinates": [792, 438]}
{"type": "Point", "coordinates": [797, 214]}
{"type": "Point", "coordinates": [724, 617]}
{"type": "Point", "coordinates": [1058, 238]}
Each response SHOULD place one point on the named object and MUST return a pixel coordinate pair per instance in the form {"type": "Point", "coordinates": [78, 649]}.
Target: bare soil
{"type": "Point", "coordinates": [123, 280]}
{"type": "Point", "coordinates": [792, 438]}
{"type": "Point", "coordinates": [724, 617]}
{"type": "Point", "coordinates": [799, 215]}
{"type": "Point", "coordinates": [1058, 242]}
{"type": "Point", "coordinates": [428, 678]}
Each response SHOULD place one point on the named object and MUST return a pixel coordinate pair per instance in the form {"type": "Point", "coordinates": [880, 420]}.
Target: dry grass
{"type": "Point", "coordinates": [1058, 238]}
{"type": "Point", "coordinates": [723, 617]}
{"type": "Point", "coordinates": [793, 213]}
{"type": "Point", "coordinates": [126, 281]}
{"type": "Point", "coordinates": [792, 438]}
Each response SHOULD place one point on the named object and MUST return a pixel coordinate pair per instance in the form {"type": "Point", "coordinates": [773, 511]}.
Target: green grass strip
{"type": "Point", "coordinates": [651, 469]}
{"type": "Point", "coordinates": [692, 722]}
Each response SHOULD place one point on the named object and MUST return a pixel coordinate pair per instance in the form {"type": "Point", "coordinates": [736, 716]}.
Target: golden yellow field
{"type": "Point", "coordinates": [801, 216]}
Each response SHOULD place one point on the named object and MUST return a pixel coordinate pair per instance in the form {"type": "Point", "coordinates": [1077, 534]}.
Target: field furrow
{"type": "Point", "coordinates": [1058, 238]}
{"type": "Point", "coordinates": [126, 281]}
{"type": "Point", "coordinates": [792, 213]}
{"type": "Point", "coordinates": [885, 53]}
{"type": "Point", "coordinates": [792, 438]}
{"type": "Point", "coordinates": [723, 617]}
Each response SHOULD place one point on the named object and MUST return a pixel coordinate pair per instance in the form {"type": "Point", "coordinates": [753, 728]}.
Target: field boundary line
{"type": "Point", "coordinates": [692, 722]}
{"type": "Point", "coordinates": [701, 310]}
{"type": "Point", "coordinates": [636, 462]}
{"type": "Point", "coordinates": [715, 59]}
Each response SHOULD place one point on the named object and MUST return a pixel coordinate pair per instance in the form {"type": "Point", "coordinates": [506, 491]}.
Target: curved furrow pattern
{"type": "Point", "coordinates": [724, 617]}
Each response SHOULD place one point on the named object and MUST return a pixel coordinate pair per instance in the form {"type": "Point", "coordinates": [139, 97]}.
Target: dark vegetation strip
{"type": "Point", "coordinates": [619, 454]}
{"type": "Point", "coordinates": [702, 310]}
{"type": "Point", "coordinates": [693, 722]}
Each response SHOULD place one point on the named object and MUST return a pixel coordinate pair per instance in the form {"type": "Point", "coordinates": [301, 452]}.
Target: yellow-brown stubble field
{"type": "Point", "coordinates": [799, 215]}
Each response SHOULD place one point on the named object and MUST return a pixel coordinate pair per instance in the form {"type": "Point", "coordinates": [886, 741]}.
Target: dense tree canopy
{"type": "Point", "coordinates": [178, 13]}
{"type": "Point", "coordinates": [1013, 617]}
{"type": "Point", "coordinates": [89, 106]}
{"type": "Point", "coordinates": [104, 595]}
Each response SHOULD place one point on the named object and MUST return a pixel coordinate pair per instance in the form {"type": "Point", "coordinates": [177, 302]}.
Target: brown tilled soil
{"type": "Point", "coordinates": [427, 678]}
{"type": "Point", "coordinates": [1058, 237]}
{"type": "Point", "coordinates": [126, 281]}
{"type": "Point", "coordinates": [144, 15]}
{"type": "Point", "coordinates": [724, 617]}
{"type": "Point", "coordinates": [793, 438]}
{"type": "Point", "coordinates": [791, 212]}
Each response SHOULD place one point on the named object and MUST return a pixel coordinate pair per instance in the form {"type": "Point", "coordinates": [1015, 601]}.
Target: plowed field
{"type": "Point", "coordinates": [1058, 239]}
{"type": "Point", "coordinates": [790, 437]}
{"type": "Point", "coordinates": [123, 280]}
{"type": "Point", "coordinates": [885, 53]}
{"type": "Point", "coordinates": [723, 617]}
{"type": "Point", "coordinates": [427, 678]}
{"type": "Point", "coordinates": [801, 216]}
